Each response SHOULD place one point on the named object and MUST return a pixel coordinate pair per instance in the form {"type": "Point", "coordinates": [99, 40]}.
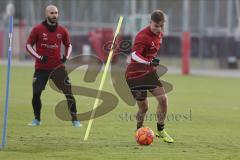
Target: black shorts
{"type": "Point", "coordinates": [140, 86]}
{"type": "Point", "coordinates": [40, 79]}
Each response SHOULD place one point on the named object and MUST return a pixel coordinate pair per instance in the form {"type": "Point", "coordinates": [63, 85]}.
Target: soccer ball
{"type": "Point", "coordinates": [144, 136]}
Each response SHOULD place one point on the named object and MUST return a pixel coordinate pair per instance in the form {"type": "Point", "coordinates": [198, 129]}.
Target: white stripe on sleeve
{"type": "Point", "coordinates": [135, 57]}
{"type": "Point", "coordinates": [32, 51]}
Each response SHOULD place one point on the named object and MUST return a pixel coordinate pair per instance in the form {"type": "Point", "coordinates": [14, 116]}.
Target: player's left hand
{"type": "Point", "coordinates": [63, 59]}
{"type": "Point", "coordinates": [155, 62]}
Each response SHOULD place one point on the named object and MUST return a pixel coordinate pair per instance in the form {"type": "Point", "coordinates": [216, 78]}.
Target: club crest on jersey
{"type": "Point", "coordinates": [59, 36]}
{"type": "Point", "coordinates": [153, 45]}
{"type": "Point", "coordinates": [44, 35]}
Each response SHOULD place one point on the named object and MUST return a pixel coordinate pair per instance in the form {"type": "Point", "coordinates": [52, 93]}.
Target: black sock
{"type": "Point", "coordinates": [160, 127]}
{"type": "Point", "coordinates": [139, 125]}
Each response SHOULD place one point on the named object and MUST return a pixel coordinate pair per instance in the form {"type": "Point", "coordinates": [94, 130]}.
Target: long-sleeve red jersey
{"type": "Point", "coordinates": [48, 43]}
{"type": "Point", "coordinates": [144, 49]}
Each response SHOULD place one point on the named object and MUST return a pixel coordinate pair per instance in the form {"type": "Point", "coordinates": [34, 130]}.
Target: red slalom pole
{"type": "Point", "coordinates": [186, 51]}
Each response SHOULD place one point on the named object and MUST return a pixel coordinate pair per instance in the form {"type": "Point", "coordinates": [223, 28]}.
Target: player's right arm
{"type": "Point", "coordinates": [141, 44]}
{"type": "Point", "coordinates": [31, 42]}
{"type": "Point", "coordinates": [138, 50]}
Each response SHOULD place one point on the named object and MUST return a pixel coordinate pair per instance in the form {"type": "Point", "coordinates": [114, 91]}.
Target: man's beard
{"type": "Point", "coordinates": [52, 21]}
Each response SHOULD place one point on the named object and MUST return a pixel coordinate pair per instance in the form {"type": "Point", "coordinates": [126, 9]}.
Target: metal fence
{"type": "Point", "coordinates": [204, 16]}
{"type": "Point", "coordinates": [212, 23]}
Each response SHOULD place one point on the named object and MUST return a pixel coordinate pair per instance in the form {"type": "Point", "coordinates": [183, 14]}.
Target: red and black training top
{"type": "Point", "coordinates": [145, 48]}
{"type": "Point", "coordinates": [47, 40]}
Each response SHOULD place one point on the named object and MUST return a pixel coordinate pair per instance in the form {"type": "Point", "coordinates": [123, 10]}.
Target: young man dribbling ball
{"type": "Point", "coordinates": [141, 74]}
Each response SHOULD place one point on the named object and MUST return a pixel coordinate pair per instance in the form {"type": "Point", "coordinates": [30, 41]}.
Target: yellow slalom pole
{"type": "Point", "coordinates": [103, 78]}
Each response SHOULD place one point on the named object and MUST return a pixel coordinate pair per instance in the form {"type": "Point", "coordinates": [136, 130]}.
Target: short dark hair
{"type": "Point", "coordinates": [157, 16]}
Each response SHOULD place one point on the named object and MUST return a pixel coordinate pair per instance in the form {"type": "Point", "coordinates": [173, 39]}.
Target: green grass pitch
{"type": "Point", "coordinates": [204, 120]}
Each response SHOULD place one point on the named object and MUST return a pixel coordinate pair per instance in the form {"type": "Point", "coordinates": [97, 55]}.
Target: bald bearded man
{"type": "Point", "coordinates": [47, 38]}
